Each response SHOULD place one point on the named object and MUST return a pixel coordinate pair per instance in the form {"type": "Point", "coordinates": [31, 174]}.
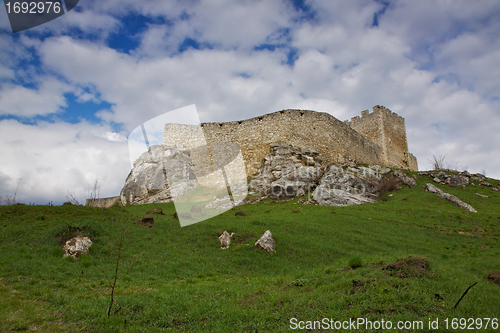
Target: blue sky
{"type": "Point", "coordinates": [71, 90]}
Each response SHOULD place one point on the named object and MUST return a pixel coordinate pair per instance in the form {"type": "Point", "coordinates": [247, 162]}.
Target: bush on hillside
{"type": "Point", "coordinates": [386, 185]}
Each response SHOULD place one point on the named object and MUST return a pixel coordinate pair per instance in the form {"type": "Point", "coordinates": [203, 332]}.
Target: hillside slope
{"type": "Point", "coordinates": [338, 263]}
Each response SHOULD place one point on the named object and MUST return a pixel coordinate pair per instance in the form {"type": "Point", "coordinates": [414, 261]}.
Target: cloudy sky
{"type": "Point", "coordinates": [72, 90]}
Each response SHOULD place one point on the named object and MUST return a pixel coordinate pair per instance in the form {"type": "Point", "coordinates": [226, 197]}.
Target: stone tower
{"type": "Point", "coordinates": [388, 130]}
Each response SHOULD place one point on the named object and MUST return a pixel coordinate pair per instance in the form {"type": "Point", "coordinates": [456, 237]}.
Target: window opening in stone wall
{"type": "Point", "coordinates": [239, 122]}
{"type": "Point", "coordinates": [260, 118]}
{"type": "Point", "coordinates": [302, 114]}
{"type": "Point", "coordinates": [220, 125]}
{"type": "Point", "coordinates": [282, 113]}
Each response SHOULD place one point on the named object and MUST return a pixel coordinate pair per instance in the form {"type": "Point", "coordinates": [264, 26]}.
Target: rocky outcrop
{"type": "Point", "coordinates": [464, 178]}
{"type": "Point", "coordinates": [433, 189]}
{"type": "Point", "coordinates": [287, 171]}
{"type": "Point", "coordinates": [404, 178]}
{"type": "Point", "coordinates": [266, 242]}
{"type": "Point", "coordinates": [352, 186]}
{"type": "Point", "coordinates": [380, 170]}
{"type": "Point", "coordinates": [477, 177]}
{"type": "Point", "coordinates": [76, 246]}
{"type": "Point", "coordinates": [159, 175]}
{"type": "Point", "coordinates": [450, 179]}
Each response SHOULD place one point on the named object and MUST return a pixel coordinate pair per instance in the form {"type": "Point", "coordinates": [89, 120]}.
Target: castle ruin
{"type": "Point", "coordinates": [374, 138]}
{"type": "Point", "coordinates": [225, 153]}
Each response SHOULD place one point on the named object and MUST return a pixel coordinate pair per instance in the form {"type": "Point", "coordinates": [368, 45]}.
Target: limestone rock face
{"type": "Point", "coordinates": [147, 182]}
{"type": "Point", "coordinates": [403, 178]}
{"type": "Point", "coordinates": [287, 171]}
{"type": "Point", "coordinates": [353, 186]}
{"type": "Point", "coordinates": [454, 180]}
{"type": "Point", "coordinates": [285, 188]}
{"type": "Point", "coordinates": [76, 246]}
{"type": "Point", "coordinates": [433, 189]}
{"type": "Point", "coordinates": [477, 177]}
{"type": "Point", "coordinates": [442, 177]}
{"type": "Point", "coordinates": [379, 169]}
{"type": "Point", "coordinates": [266, 242]}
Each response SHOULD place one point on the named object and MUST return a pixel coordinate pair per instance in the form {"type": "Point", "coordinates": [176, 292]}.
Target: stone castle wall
{"type": "Point", "coordinates": [208, 157]}
{"type": "Point", "coordinates": [388, 130]}
{"type": "Point", "coordinates": [103, 202]}
{"type": "Point", "coordinates": [375, 138]}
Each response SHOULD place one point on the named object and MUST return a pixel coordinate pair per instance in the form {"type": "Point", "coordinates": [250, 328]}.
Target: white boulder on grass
{"type": "Point", "coordinates": [266, 242]}
{"type": "Point", "coordinates": [76, 246]}
{"type": "Point", "coordinates": [225, 239]}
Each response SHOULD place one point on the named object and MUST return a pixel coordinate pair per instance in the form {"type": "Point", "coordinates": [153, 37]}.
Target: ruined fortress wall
{"type": "Point", "coordinates": [103, 202]}
{"type": "Point", "coordinates": [374, 138]}
{"type": "Point", "coordinates": [334, 140]}
{"type": "Point", "coordinates": [412, 161]}
{"type": "Point", "coordinates": [388, 130]}
{"type": "Point", "coordinates": [207, 157]}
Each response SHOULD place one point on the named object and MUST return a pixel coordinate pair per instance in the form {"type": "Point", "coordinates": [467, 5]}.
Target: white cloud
{"type": "Point", "coordinates": [26, 102]}
{"type": "Point", "coordinates": [52, 159]}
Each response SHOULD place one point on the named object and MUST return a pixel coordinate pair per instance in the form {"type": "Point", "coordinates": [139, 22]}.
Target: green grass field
{"type": "Point", "coordinates": [329, 264]}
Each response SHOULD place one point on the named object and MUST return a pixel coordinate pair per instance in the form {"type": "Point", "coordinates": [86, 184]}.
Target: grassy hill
{"type": "Point", "coordinates": [338, 263]}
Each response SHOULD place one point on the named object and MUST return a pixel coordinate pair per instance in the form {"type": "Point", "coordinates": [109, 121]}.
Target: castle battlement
{"type": "Point", "coordinates": [377, 111]}
{"type": "Point", "coordinates": [388, 130]}
{"type": "Point", "coordinates": [374, 138]}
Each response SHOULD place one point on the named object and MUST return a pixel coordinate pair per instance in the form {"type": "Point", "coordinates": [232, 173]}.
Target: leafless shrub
{"type": "Point", "coordinates": [386, 185]}
{"type": "Point", "coordinates": [71, 196]}
{"type": "Point", "coordinates": [17, 189]}
{"type": "Point", "coordinates": [11, 199]}
{"type": "Point", "coordinates": [438, 162]}
{"type": "Point", "coordinates": [96, 191]}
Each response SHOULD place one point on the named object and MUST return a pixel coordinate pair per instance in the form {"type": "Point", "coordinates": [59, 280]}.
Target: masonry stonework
{"type": "Point", "coordinates": [374, 138]}
{"type": "Point", "coordinates": [388, 130]}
